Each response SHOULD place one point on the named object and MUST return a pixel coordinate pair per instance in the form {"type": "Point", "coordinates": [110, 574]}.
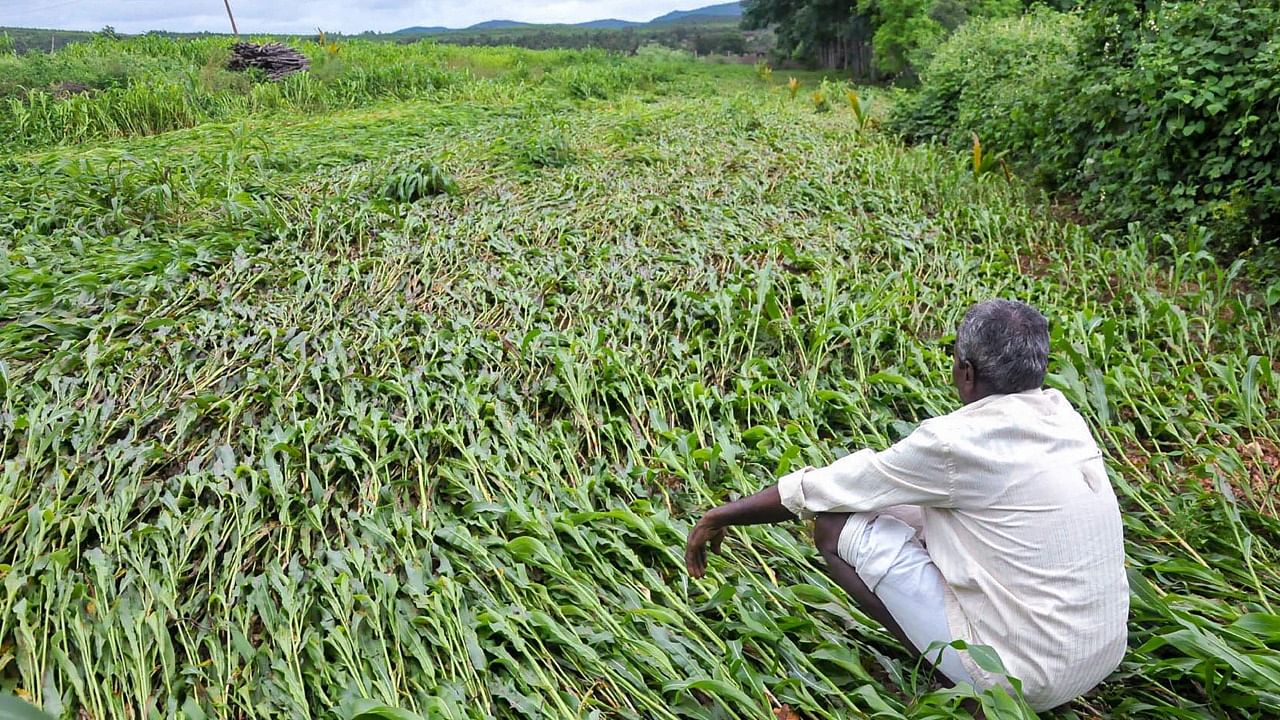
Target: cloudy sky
{"type": "Point", "coordinates": [304, 16]}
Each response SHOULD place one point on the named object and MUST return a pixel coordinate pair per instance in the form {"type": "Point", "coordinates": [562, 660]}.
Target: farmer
{"type": "Point", "coordinates": [995, 524]}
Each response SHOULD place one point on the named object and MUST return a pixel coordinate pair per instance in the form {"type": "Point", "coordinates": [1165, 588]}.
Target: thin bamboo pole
{"type": "Point", "coordinates": [234, 31]}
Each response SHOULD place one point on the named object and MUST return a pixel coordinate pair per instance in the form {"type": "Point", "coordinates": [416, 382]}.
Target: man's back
{"type": "Point", "coordinates": [1030, 543]}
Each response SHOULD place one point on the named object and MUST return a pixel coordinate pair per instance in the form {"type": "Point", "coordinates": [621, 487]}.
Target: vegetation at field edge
{"type": "Point", "coordinates": [1159, 113]}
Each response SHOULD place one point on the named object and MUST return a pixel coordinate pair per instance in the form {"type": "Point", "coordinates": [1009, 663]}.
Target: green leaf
{"type": "Point", "coordinates": [987, 658]}
{"type": "Point", "coordinates": [14, 708]}
{"type": "Point", "coordinates": [1263, 625]}
{"type": "Point", "coordinates": [718, 688]}
{"type": "Point", "coordinates": [366, 709]}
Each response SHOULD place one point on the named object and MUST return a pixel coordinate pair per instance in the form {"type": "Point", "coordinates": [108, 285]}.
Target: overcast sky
{"type": "Point", "coordinates": [304, 16]}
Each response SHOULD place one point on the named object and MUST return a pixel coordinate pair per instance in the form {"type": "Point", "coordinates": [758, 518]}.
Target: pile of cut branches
{"type": "Point", "coordinates": [275, 59]}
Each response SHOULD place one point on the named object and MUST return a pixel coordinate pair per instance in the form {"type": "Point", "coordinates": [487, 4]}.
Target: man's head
{"type": "Point", "coordinates": [1002, 347]}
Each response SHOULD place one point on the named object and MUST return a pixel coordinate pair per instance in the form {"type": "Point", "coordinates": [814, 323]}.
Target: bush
{"type": "Point", "coordinates": [1149, 111]}
{"type": "Point", "coordinates": [996, 78]}
{"type": "Point", "coordinates": [662, 53]}
{"type": "Point", "coordinates": [1171, 116]}
{"type": "Point", "coordinates": [909, 31]}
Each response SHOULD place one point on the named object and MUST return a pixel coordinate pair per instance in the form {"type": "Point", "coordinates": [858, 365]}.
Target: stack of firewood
{"type": "Point", "coordinates": [274, 59]}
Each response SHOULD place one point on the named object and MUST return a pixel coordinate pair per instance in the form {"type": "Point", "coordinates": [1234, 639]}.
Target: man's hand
{"type": "Point", "coordinates": [765, 507]}
{"type": "Point", "coordinates": [708, 531]}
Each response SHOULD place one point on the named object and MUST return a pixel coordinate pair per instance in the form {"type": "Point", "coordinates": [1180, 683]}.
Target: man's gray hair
{"type": "Point", "coordinates": [1007, 343]}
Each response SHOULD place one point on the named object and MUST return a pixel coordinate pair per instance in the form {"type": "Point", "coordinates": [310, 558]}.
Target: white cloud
{"type": "Point", "coordinates": [293, 16]}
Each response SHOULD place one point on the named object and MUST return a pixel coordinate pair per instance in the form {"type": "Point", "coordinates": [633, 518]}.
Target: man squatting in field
{"type": "Point", "coordinates": [995, 524]}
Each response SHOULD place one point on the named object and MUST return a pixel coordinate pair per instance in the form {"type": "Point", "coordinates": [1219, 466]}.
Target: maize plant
{"type": "Point", "coordinates": [855, 104]}
{"type": "Point", "coordinates": [984, 162]}
{"type": "Point", "coordinates": [820, 101]}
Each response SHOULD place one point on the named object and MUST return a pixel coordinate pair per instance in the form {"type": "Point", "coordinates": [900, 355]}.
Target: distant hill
{"type": "Point", "coordinates": [421, 30]}
{"type": "Point", "coordinates": [499, 25]}
{"type": "Point", "coordinates": [710, 13]}
{"type": "Point", "coordinates": [608, 24]}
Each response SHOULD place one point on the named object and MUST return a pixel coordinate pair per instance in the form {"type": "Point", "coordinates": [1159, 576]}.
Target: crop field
{"type": "Point", "coordinates": [400, 405]}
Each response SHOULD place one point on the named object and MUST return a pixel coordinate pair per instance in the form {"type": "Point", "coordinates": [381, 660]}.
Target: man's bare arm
{"type": "Point", "coordinates": [763, 508]}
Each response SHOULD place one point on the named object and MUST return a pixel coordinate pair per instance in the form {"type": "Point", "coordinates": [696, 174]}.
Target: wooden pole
{"type": "Point", "coordinates": [234, 31]}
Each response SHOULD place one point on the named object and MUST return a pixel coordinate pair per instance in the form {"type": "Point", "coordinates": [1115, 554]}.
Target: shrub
{"type": "Point", "coordinates": [909, 31]}
{"type": "Point", "coordinates": [1149, 111]}
{"type": "Point", "coordinates": [994, 78]}
{"type": "Point", "coordinates": [662, 53]}
{"type": "Point", "coordinates": [1171, 115]}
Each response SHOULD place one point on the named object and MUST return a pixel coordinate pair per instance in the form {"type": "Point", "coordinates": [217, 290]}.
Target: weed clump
{"type": "Point", "coordinates": [412, 181]}
{"type": "Point", "coordinates": [539, 148]}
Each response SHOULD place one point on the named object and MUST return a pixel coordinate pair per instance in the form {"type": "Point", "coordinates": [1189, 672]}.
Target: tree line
{"type": "Point", "coordinates": [873, 37]}
{"type": "Point", "coordinates": [698, 38]}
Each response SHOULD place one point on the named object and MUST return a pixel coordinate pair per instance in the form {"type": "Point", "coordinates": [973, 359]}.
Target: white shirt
{"type": "Point", "coordinates": [1020, 519]}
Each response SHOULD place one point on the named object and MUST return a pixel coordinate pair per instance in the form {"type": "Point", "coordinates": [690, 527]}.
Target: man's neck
{"type": "Point", "coordinates": [980, 392]}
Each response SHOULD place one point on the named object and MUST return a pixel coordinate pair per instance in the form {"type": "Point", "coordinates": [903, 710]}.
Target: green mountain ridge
{"type": "Point", "coordinates": [709, 13]}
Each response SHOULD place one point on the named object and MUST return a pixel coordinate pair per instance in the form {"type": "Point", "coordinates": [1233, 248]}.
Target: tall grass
{"type": "Point", "coordinates": [149, 85]}
{"type": "Point", "coordinates": [277, 447]}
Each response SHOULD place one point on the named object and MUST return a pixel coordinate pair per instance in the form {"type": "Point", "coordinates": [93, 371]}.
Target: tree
{"type": "Point", "coordinates": [804, 28]}
{"type": "Point", "coordinates": [908, 31]}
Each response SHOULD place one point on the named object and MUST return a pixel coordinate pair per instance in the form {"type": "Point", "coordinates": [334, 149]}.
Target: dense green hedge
{"type": "Point", "coordinates": [995, 78]}
{"type": "Point", "coordinates": [1162, 112]}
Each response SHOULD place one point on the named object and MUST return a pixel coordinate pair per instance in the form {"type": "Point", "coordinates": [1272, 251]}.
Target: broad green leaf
{"type": "Point", "coordinates": [13, 708]}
